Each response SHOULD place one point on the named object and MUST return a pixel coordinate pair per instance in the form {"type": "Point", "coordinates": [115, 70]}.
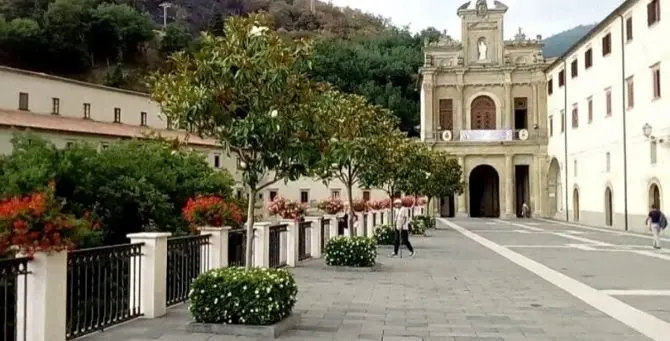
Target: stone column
{"type": "Point", "coordinates": [292, 243]}
{"type": "Point", "coordinates": [428, 122]}
{"type": "Point", "coordinates": [41, 296]}
{"type": "Point", "coordinates": [153, 266]}
{"type": "Point", "coordinates": [461, 210]}
{"type": "Point", "coordinates": [537, 186]}
{"type": "Point", "coordinates": [333, 225]}
{"type": "Point", "coordinates": [315, 240]}
{"type": "Point", "coordinates": [509, 186]}
{"type": "Point", "coordinates": [262, 244]}
{"type": "Point", "coordinates": [508, 108]}
{"type": "Point", "coordinates": [218, 246]}
{"type": "Point", "coordinates": [536, 107]}
{"type": "Point", "coordinates": [463, 111]}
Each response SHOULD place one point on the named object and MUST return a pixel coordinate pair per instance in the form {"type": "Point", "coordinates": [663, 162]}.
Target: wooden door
{"type": "Point", "coordinates": [483, 114]}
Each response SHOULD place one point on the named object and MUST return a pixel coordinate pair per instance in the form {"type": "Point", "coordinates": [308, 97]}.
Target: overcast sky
{"type": "Point", "coordinates": [545, 17]}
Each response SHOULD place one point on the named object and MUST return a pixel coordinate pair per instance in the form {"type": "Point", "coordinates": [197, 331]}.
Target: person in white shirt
{"type": "Point", "coordinates": [401, 223]}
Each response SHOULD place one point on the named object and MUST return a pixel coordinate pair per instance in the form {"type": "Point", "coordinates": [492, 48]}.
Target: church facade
{"type": "Point", "coordinates": [483, 100]}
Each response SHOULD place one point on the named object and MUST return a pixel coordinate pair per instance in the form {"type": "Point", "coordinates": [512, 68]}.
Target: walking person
{"type": "Point", "coordinates": [656, 222]}
{"type": "Point", "coordinates": [401, 220]}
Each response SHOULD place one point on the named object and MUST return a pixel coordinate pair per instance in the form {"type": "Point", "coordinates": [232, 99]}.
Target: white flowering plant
{"type": "Point", "coordinates": [419, 225]}
{"type": "Point", "coordinates": [255, 296]}
{"type": "Point", "coordinates": [426, 220]}
{"type": "Point", "coordinates": [351, 251]}
{"type": "Point", "coordinates": [384, 235]}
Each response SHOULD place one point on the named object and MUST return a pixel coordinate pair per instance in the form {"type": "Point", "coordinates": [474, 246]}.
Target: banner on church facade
{"type": "Point", "coordinates": [487, 135]}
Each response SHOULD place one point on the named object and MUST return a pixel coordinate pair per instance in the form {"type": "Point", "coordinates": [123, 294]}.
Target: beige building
{"type": "Point", "coordinates": [483, 100]}
{"type": "Point", "coordinates": [66, 111]}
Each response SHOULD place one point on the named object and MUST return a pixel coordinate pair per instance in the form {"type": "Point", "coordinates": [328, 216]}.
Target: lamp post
{"type": "Point", "coordinates": [647, 130]}
{"type": "Point", "coordinates": [165, 6]}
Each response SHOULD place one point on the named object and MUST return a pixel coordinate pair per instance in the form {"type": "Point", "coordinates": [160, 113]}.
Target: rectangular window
{"type": "Point", "coordinates": [575, 116]}
{"type": "Point", "coordinates": [273, 195]}
{"type": "Point", "coordinates": [69, 144]}
{"type": "Point", "coordinates": [608, 162]}
{"type": "Point", "coordinates": [561, 78]}
{"type": "Point", "coordinates": [550, 86]}
{"type": "Point", "coordinates": [656, 80]}
{"type": "Point", "coordinates": [117, 115]}
{"type": "Point", "coordinates": [652, 152]}
{"type": "Point", "coordinates": [23, 101]}
{"type": "Point", "coordinates": [562, 121]}
{"type": "Point", "coordinates": [630, 92]}
{"type": "Point", "coordinates": [446, 114]}
{"type": "Point", "coordinates": [217, 161]}
{"type": "Point", "coordinates": [366, 195]}
{"type": "Point", "coordinates": [304, 196]}
{"type": "Point", "coordinates": [574, 167]}
{"type": "Point", "coordinates": [589, 102]}
{"type": "Point", "coordinates": [143, 118]}
{"type": "Point", "coordinates": [87, 110]}
{"type": "Point", "coordinates": [335, 193]}
{"type": "Point", "coordinates": [629, 29]}
{"type": "Point", "coordinates": [574, 68]}
{"type": "Point", "coordinates": [608, 102]}
{"type": "Point", "coordinates": [55, 106]}
{"type": "Point", "coordinates": [238, 193]}
{"type": "Point", "coordinates": [607, 44]}
{"type": "Point", "coordinates": [588, 58]}
{"type": "Point", "coordinates": [551, 125]}
{"type": "Point", "coordinates": [653, 12]}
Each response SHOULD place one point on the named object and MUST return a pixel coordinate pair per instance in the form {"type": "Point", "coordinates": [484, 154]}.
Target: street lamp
{"type": "Point", "coordinates": [165, 6]}
{"type": "Point", "coordinates": [646, 130]}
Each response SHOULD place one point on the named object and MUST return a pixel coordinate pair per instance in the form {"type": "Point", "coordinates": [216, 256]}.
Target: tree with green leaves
{"type": "Point", "coordinates": [246, 90]}
{"type": "Point", "coordinates": [414, 169]}
{"type": "Point", "coordinates": [354, 127]}
{"type": "Point", "coordinates": [445, 177]}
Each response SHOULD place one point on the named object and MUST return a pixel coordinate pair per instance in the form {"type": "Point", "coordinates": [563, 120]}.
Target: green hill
{"type": "Point", "coordinates": [557, 44]}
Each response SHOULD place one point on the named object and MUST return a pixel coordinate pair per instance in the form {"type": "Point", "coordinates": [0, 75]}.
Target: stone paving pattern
{"type": "Point", "coordinates": [453, 290]}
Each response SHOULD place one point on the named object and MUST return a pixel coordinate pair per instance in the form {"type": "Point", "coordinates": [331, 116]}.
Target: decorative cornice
{"type": "Point", "coordinates": [488, 84]}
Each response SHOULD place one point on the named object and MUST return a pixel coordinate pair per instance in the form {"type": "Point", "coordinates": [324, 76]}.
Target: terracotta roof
{"type": "Point", "coordinates": [47, 122]}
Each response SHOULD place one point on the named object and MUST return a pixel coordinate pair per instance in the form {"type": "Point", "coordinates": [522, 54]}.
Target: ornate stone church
{"type": "Point", "coordinates": [481, 101]}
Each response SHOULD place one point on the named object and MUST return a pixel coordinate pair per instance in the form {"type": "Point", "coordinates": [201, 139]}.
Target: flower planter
{"type": "Point", "coordinates": [267, 332]}
{"type": "Point", "coordinates": [375, 268]}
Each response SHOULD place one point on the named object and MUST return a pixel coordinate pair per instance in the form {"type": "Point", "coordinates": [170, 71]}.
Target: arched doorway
{"type": "Point", "coordinates": [608, 206]}
{"type": "Point", "coordinates": [484, 186]}
{"type": "Point", "coordinates": [448, 206]}
{"type": "Point", "coordinates": [483, 113]}
{"type": "Point", "coordinates": [575, 204]}
{"type": "Point", "coordinates": [654, 196]}
{"type": "Point", "coordinates": [554, 180]}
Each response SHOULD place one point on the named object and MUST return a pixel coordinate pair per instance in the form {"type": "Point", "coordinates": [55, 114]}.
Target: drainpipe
{"type": "Point", "coordinates": [625, 138]}
{"type": "Point", "coordinates": [565, 137]}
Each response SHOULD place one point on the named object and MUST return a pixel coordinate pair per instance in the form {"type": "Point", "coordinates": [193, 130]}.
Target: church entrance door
{"type": "Point", "coordinates": [484, 186]}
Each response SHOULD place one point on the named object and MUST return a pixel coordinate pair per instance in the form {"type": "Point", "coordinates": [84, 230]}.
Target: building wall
{"type": "Point", "coordinates": [72, 94]}
{"type": "Point", "coordinates": [591, 144]}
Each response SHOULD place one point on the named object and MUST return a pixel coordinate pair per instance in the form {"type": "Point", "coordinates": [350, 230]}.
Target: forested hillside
{"type": "Point", "coordinates": [557, 44]}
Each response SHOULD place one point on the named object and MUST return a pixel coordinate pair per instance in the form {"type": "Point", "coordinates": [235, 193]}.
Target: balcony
{"type": "Point", "coordinates": [491, 136]}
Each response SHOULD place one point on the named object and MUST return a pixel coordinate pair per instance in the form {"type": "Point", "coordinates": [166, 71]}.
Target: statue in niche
{"type": "Point", "coordinates": [482, 50]}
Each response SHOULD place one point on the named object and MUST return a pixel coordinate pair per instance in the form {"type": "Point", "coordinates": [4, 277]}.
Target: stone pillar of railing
{"type": "Point", "coordinates": [42, 295]}
{"type": "Point", "coordinates": [292, 243]}
{"type": "Point", "coordinates": [316, 236]}
{"type": "Point", "coordinates": [152, 275]}
{"type": "Point", "coordinates": [217, 255]}
{"type": "Point", "coordinates": [333, 225]}
{"type": "Point", "coordinates": [262, 244]}
{"type": "Point", "coordinates": [360, 228]}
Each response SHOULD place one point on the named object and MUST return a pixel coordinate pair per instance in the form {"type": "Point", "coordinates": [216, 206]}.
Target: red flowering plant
{"type": "Point", "coordinates": [359, 205]}
{"type": "Point", "coordinates": [385, 204]}
{"type": "Point", "coordinates": [35, 223]}
{"type": "Point", "coordinates": [212, 211]}
{"type": "Point", "coordinates": [286, 209]}
{"type": "Point", "coordinates": [376, 205]}
{"type": "Point", "coordinates": [421, 201]}
{"type": "Point", "coordinates": [331, 206]}
{"type": "Point", "coordinates": [407, 201]}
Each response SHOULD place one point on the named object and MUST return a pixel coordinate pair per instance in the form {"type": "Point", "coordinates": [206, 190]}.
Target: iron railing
{"type": "Point", "coordinates": [13, 274]}
{"type": "Point", "coordinates": [325, 233]}
{"type": "Point", "coordinates": [381, 217]}
{"type": "Point", "coordinates": [187, 258]}
{"type": "Point", "coordinates": [364, 224]}
{"type": "Point", "coordinates": [275, 245]}
{"type": "Point", "coordinates": [103, 288]}
{"type": "Point", "coordinates": [303, 249]}
{"type": "Point", "coordinates": [374, 220]}
{"type": "Point", "coordinates": [237, 246]}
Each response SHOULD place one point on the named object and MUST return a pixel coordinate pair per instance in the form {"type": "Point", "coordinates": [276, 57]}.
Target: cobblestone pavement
{"type": "Point", "coordinates": [457, 288]}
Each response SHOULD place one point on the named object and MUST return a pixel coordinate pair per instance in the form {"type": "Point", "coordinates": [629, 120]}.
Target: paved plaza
{"type": "Point", "coordinates": [484, 279]}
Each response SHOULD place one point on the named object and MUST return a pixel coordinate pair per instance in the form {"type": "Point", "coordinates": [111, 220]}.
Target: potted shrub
{"type": "Point", "coordinates": [357, 252]}
{"type": "Point", "coordinates": [235, 296]}
{"type": "Point", "coordinates": [358, 205]}
{"type": "Point", "coordinates": [407, 201]}
{"type": "Point", "coordinates": [35, 223]}
{"type": "Point", "coordinates": [428, 221]}
{"type": "Point", "coordinates": [212, 211]}
{"type": "Point", "coordinates": [375, 205]}
{"type": "Point", "coordinates": [418, 226]}
{"type": "Point", "coordinates": [331, 206]}
{"type": "Point", "coordinates": [421, 201]}
{"type": "Point", "coordinates": [385, 204]}
{"type": "Point", "coordinates": [286, 209]}
{"type": "Point", "coordinates": [384, 235]}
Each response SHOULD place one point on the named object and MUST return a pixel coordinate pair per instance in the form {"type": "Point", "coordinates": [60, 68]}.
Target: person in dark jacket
{"type": "Point", "coordinates": [656, 222]}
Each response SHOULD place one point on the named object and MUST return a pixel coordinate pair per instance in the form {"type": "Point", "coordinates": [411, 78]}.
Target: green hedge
{"type": "Point", "coordinates": [385, 235]}
{"type": "Point", "coordinates": [420, 224]}
{"type": "Point", "coordinates": [351, 251]}
{"type": "Point", "coordinates": [238, 296]}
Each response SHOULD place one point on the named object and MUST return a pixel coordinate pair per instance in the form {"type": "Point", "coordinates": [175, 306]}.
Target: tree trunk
{"type": "Point", "coordinates": [350, 222]}
{"type": "Point", "coordinates": [429, 212]}
{"type": "Point", "coordinates": [250, 228]}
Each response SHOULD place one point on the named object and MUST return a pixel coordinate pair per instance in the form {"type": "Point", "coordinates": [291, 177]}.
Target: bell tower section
{"type": "Point", "coordinates": [482, 32]}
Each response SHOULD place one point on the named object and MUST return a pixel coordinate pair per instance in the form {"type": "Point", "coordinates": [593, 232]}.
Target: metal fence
{"type": "Point", "coordinates": [304, 251]}
{"type": "Point", "coordinates": [103, 288]}
{"type": "Point", "coordinates": [276, 232]}
{"type": "Point", "coordinates": [374, 220]}
{"type": "Point", "coordinates": [364, 224]}
{"type": "Point", "coordinates": [13, 273]}
{"type": "Point", "coordinates": [237, 247]}
{"type": "Point", "coordinates": [325, 233]}
{"type": "Point", "coordinates": [187, 258]}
